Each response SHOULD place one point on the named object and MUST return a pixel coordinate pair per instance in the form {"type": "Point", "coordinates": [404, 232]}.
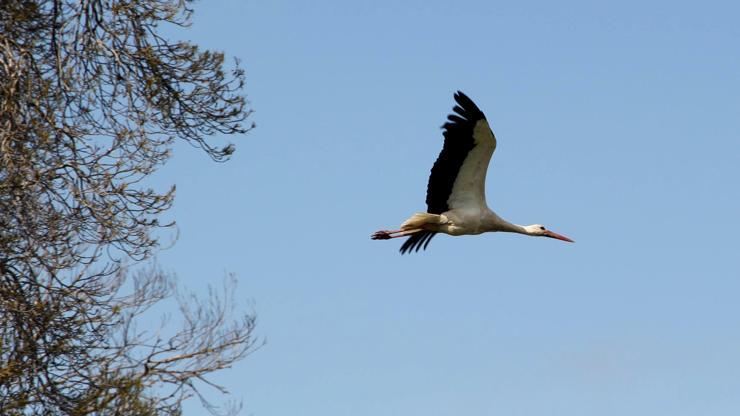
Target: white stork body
{"type": "Point", "coordinates": [456, 196]}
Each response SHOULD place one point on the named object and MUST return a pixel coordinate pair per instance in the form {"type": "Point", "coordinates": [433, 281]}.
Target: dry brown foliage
{"type": "Point", "coordinates": [91, 99]}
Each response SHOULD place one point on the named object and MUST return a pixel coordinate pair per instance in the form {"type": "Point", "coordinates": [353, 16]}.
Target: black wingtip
{"type": "Point", "coordinates": [469, 109]}
{"type": "Point", "coordinates": [461, 96]}
{"type": "Point", "coordinates": [417, 242]}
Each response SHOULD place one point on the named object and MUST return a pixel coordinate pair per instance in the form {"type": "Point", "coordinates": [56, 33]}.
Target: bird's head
{"type": "Point", "coordinates": [539, 230]}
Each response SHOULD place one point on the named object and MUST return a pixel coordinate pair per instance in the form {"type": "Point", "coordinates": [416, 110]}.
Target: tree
{"type": "Point", "coordinates": [92, 98]}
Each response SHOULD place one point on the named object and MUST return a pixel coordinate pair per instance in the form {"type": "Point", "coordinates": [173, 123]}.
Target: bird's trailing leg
{"type": "Point", "coordinates": [387, 235]}
{"type": "Point", "coordinates": [418, 222]}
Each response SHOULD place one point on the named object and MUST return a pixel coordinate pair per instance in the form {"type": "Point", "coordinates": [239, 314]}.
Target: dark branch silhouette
{"type": "Point", "coordinates": [92, 97]}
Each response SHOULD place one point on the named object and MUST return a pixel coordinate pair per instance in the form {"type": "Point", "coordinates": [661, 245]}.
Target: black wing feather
{"type": "Point", "coordinates": [417, 241]}
{"type": "Point", "coordinates": [428, 240]}
{"type": "Point", "coordinates": [458, 134]}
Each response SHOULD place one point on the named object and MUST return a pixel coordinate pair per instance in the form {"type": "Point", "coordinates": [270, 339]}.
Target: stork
{"type": "Point", "coordinates": [456, 196]}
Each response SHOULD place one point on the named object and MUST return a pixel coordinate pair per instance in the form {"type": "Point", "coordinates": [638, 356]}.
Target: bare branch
{"type": "Point", "coordinates": [92, 97]}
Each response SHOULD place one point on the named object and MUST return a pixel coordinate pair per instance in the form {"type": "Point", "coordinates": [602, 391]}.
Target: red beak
{"type": "Point", "coordinates": [558, 236]}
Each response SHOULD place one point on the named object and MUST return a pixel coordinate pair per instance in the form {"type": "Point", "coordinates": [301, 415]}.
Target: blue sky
{"type": "Point", "coordinates": [617, 125]}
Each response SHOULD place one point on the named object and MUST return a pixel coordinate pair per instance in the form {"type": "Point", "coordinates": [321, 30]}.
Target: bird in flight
{"type": "Point", "coordinates": [456, 197]}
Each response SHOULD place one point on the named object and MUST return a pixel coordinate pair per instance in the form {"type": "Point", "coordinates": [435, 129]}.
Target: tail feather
{"type": "Point", "coordinates": [419, 219]}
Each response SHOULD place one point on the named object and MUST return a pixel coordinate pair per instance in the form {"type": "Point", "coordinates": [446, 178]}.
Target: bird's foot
{"type": "Point", "coordinates": [381, 235]}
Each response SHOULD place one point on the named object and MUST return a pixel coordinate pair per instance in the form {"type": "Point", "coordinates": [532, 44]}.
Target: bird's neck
{"type": "Point", "coordinates": [515, 228]}
{"type": "Point", "coordinates": [497, 223]}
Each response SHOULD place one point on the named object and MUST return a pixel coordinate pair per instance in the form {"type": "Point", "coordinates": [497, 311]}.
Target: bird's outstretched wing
{"type": "Point", "coordinates": [458, 177]}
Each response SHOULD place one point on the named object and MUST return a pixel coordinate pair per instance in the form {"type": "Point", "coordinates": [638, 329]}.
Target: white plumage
{"type": "Point", "coordinates": [456, 196]}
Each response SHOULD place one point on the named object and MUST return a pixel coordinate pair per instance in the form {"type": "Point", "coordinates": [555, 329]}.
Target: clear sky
{"type": "Point", "coordinates": [618, 125]}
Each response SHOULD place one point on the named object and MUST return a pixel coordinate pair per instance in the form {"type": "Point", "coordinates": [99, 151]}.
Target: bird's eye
{"type": "Point", "coordinates": [542, 228]}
